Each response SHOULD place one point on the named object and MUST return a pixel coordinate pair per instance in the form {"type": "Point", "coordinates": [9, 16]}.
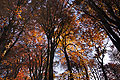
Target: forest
{"type": "Point", "coordinates": [59, 39]}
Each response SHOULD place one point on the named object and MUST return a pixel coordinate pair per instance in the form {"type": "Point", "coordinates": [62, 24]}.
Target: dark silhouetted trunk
{"type": "Point", "coordinates": [68, 62]}
{"type": "Point", "coordinates": [86, 71]}
{"type": "Point", "coordinates": [104, 73]}
{"type": "Point", "coordinates": [48, 50]}
{"type": "Point", "coordinates": [51, 59]}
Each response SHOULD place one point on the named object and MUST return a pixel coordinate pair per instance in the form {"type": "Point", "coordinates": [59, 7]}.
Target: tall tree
{"type": "Point", "coordinates": [53, 16]}
{"type": "Point", "coordinates": [106, 13]}
{"type": "Point", "coordinates": [12, 24]}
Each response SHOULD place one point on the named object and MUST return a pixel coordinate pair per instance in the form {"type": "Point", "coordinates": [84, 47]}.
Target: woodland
{"type": "Point", "coordinates": [59, 39]}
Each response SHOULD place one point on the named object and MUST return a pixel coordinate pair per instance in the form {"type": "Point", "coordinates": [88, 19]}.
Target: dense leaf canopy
{"type": "Point", "coordinates": [59, 39]}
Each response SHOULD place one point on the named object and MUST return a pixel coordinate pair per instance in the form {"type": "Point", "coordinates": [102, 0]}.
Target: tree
{"type": "Point", "coordinates": [53, 18]}
{"type": "Point", "coordinates": [12, 25]}
{"type": "Point", "coordinates": [113, 66]}
{"type": "Point", "coordinates": [38, 34]}
{"type": "Point", "coordinates": [113, 71]}
{"type": "Point", "coordinates": [100, 56]}
{"type": "Point", "coordinates": [106, 13]}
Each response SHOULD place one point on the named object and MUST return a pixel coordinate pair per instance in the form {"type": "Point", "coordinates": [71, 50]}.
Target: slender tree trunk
{"type": "Point", "coordinates": [51, 60]}
{"type": "Point", "coordinates": [68, 63]}
{"type": "Point", "coordinates": [51, 67]}
{"type": "Point", "coordinates": [93, 73]}
{"type": "Point", "coordinates": [104, 73]}
{"type": "Point", "coordinates": [36, 68]}
{"type": "Point", "coordinates": [40, 65]}
{"type": "Point", "coordinates": [30, 67]}
{"type": "Point", "coordinates": [87, 76]}
{"type": "Point", "coordinates": [48, 51]}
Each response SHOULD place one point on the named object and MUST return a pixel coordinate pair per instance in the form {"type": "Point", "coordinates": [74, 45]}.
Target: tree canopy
{"type": "Point", "coordinates": [59, 39]}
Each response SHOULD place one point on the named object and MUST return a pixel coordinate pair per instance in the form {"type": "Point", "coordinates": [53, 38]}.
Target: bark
{"type": "Point", "coordinates": [87, 76]}
{"type": "Point", "coordinates": [40, 65]}
{"type": "Point", "coordinates": [67, 59]}
{"type": "Point", "coordinates": [48, 50]}
{"type": "Point", "coordinates": [68, 64]}
{"type": "Point", "coordinates": [104, 73]}
{"type": "Point", "coordinates": [1, 58]}
{"type": "Point", "coordinates": [51, 60]}
{"type": "Point", "coordinates": [107, 21]}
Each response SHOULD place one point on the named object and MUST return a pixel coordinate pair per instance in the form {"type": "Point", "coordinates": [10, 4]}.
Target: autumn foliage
{"type": "Point", "coordinates": [59, 39]}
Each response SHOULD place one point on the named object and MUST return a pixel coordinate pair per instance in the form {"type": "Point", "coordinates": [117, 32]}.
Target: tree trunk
{"type": "Point", "coordinates": [68, 63]}
{"type": "Point", "coordinates": [87, 76]}
{"type": "Point", "coordinates": [48, 50]}
{"type": "Point", "coordinates": [51, 60]}
{"type": "Point", "coordinates": [104, 73]}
